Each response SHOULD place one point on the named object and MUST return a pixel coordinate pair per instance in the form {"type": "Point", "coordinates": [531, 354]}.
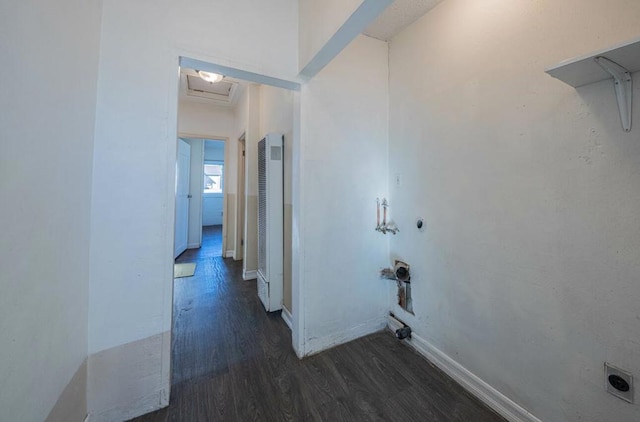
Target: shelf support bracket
{"type": "Point", "coordinates": [623, 85]}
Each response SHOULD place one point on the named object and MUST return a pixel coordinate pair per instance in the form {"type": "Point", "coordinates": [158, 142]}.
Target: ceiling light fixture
{"type": "Point", "coordinates": [210, 77]}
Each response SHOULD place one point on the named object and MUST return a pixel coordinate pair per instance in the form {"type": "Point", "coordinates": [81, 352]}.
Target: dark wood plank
{"type": "Point", "coordinates": [231, 361]}
{"type": "Point", "coordinates": [337, 411]}
{"type": "Point", "coordinates": [322, 380]}
{"type": "Point", "coordinates": [410, 405]}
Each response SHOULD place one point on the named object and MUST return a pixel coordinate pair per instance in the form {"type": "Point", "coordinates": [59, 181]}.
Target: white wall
{"type": "Point", "coordinates": [210, 121]}
{"type": "Point", "coordinates": [214, 150]}
{"type": "Point", "coordinates": [241, 112]}
{"type": "Point", "coordinates": [319, 20]}
{"type": "Point", "coordinates": [131, 265]}
{"type": "Point", "coordinates": [527, 273]}
{"type": "Point", "coordinates": [205, 119]}
{"type": "Point", "coordinates": [212, 208]}
{"type": "Point", "coordinates": [47, 113]}
{"type": "Point", "coordinates": [343, 169]}
{"type": "Point", "coordinates": [276, 115]}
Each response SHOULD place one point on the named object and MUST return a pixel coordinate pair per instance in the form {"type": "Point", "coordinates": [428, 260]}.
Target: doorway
{"type": "Point", "coordinates": [256, 114]}
{"type": "Point", "coordinates": [213, 196]}
{"type": "Point", "coordinates": [207, 190]}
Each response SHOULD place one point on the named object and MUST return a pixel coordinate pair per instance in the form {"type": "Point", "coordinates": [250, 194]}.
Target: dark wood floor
{"type": "Point", "coordinates": [211, 246]}
{"type": "Point", "coordinates": [231, 361]}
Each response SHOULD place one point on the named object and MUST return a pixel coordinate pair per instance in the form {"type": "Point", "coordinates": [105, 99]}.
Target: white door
{"type": "Point", "coordinates": [183, 165]}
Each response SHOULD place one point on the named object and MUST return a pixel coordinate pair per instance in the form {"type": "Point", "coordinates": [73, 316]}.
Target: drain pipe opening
{"type": "Point", "coordinates": [404, 332]}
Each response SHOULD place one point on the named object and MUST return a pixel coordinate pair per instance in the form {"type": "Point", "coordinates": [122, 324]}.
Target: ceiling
{"type": "Point", "coordinates": [194, 89]}
{"type": "Point", "coordinates": [398, 16]}
{"type": "Point", "coordinates": [222, 88]}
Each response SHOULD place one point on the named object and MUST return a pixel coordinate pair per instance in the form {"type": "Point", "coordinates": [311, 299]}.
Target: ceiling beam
{"type": "Point", "coordinates": [238, 74]}
{"type": "Point", "coordinates": [364, 15]}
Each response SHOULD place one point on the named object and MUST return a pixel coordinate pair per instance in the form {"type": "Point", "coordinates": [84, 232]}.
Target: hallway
{"type": "Point", "coordinates": [231, 361]}
{"type": "Point", "coordinates": [211, 246]}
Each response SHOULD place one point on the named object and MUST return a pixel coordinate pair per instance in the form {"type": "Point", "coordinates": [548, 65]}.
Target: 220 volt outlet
{"type": "Point", "coordinates": [618, 382]}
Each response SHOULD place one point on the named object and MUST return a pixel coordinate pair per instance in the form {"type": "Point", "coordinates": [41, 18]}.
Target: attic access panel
{"type": "Point", "coordinates": [197, 84]}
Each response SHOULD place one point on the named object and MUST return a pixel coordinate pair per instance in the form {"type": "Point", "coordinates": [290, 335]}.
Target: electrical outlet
{"type": "Point", "coordinates": [618, 382]}
{"type": "Point", "coordinates": [398, 180]}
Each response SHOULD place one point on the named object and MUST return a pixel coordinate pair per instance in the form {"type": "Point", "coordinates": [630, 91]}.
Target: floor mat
{"type": "Point", "coordinates": [184, 270]}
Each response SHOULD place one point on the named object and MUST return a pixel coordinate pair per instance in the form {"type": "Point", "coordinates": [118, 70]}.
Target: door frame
{"type": "Point", "coordinates": [175, 221]}
{"type": "Point", "coordinates": [240, 199]}
{"type": "Point", "coordinates": [207, 63]}
{"type": "Point", "coordinates": [225, 214]}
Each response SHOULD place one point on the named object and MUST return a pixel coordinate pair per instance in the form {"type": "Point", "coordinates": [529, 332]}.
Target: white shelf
{"type": "Point", "coordinates": [583, 70]}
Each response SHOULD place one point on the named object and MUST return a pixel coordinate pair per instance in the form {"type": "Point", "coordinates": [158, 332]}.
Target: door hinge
{"type": "Point", "coordinates": [243, 153]}
{"type": "Point", "coordinates": [242, 242]}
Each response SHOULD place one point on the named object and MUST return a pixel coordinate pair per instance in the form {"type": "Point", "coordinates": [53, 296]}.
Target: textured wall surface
{"type": "Point", "coordinates": [343, 170]}
{"type": "Point", "coordinates": [527, 271]}
{"type": "Point", "coordinates": [47, 116]}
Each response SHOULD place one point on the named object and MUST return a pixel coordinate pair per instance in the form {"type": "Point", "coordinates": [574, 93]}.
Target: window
{"type": "Point", "coordinates": [213, 177]}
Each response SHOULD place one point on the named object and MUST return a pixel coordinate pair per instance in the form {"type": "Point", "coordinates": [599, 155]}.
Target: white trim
{"type": "Point", "coordinates": [315, 345]}
{"type": "Point", "coordinates": [193, 246]}
{"type": "Point", "coordinates": [297, 225]}
{"type": "Point", "coordinates": [286, 316]}
{"type": "Point", "coordinates": [249, 275]}
{"type": "Point", "coordinates": [471, 382]}
{"type": "Point", "coordinates": [229, 253]}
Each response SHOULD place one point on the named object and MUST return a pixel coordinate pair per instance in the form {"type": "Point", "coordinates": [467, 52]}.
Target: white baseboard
{"type": "Point", "coordinates": [493, 398]}
{"type": "Point", "coordinates": [316, 345]}
{"type": "Point", "coordinates": [286, 316]}
{"type": "Point", "coordinates": [229, 253]}
{"type": "Point", "coordinates": [249, 275]}
{"type": "Point", "coordinates": [193, 246]}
